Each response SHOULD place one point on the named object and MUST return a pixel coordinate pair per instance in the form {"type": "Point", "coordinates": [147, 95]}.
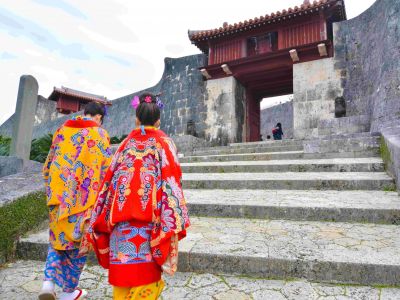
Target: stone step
{"type": "Point", "coordinates": [347, 136]}
{"type": "Point", "coordinates": [374, 164]}
{"type": "Point", "coordinates": [258, 149]}
{"type": "Point", "coordinates": [342, 145]}
{"type": "Point", "coordinates": [316, 251]}
{"type": "Point", "coordinates": [341, 206]}
{"type": "Point", "coordinates": [269, 143]}
{"type": "Point", "coordinates": [286, 142]}
{"type": "Point", "coordinates": [290, 181]}
{"type": "Point", "coordinates": [344, 125]}
{"type": "Point", "coordinates": [278, 156]}
{"type": "Point", "coordinates": [23, 280]}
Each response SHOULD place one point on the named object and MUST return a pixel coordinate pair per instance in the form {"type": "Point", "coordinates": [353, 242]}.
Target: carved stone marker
{"type": "Point", "coordinates": [24, 117]}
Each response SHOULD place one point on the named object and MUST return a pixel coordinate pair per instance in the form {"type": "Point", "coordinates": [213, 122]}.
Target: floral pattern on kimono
{"type": "Point", "coordinates": [77, 162]}
{"type": "Point", "coordinates": [142, 188]}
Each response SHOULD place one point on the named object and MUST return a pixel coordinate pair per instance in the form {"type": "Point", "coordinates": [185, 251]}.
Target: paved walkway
{"type": "Point", "coordinates": [22, 281]}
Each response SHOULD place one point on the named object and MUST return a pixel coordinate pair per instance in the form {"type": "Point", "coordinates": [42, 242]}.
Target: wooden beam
{"type": "Point", "coordinates": [226, 69]}
{"type": "Point", "coordinates": [205, 73]}
{"type": "Point", "coordinates": [322, 49]}
{"type": "Point", "coordinates": [294, 55]}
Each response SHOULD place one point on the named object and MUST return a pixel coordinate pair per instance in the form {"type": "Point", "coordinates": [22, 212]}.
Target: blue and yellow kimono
{"type": "Point", "coordinates": [76, 164]}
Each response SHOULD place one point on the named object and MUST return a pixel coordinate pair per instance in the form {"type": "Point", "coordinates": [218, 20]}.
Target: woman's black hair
{"type": "Point", "coordinates": [148, 111]}
{"type": "Point", "coordinates": [279, 125]}
{"type": "Point", "coordinates": [95, 108]}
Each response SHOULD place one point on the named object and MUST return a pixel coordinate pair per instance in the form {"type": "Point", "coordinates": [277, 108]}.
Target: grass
{"type": "Point", "coordinates": [389, 188]}
{"type": "Point", "coordinates": [18, 217]}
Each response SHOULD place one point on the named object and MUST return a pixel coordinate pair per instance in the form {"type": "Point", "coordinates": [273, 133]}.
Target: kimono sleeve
{"type": "Point", "coordinates": [171, 214]}
{"type": "Point", "coordinates": [50, 156]}
{"type": "Point", "coordinates": [107, 153]}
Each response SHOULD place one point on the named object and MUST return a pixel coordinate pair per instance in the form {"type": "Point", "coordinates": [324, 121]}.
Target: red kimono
{"type": "Point", "coordinates": [139, 209]}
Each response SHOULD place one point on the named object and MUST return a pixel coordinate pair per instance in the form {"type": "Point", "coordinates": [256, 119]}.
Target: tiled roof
{"type": "Point", "coordinates": [78, 94]}
{"type": "Point", "coordinates": [198, 35]}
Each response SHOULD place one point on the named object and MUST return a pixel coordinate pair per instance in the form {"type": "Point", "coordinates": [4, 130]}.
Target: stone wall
{"type": "Point", "coordinates": [316, 85]}
{"type": "Point", "coordinates": [183, 91]}
{"type": "Point", "coordinates": [368, 49]}
{"type": "Point", "coordinates": [184, 95]}
{"type": "Point", "coordinates": [282, 113]}
{"type": "Point", "coordinates": [224, 118]}
{"type": "Point", "coordinates": [45, 110]}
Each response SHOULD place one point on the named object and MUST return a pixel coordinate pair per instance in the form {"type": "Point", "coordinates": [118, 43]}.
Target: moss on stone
{"type": "Point", "coordinates": [385, 153]}
{"type": "Point", "coordinates": [18, 217]}
{"type": "Point", "coordinates": [389, 188]}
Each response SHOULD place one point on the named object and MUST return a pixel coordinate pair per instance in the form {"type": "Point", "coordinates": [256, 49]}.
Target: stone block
{"type": "Point", "coordinates": [225, 111]}
{"type": "Point", "coordinates": [10, 165]}
{"type": "Point", "coordinates": [391, 151]}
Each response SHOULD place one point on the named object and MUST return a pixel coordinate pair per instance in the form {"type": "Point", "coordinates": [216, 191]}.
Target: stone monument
{"type": "Point", "coordinates": [24, 117]}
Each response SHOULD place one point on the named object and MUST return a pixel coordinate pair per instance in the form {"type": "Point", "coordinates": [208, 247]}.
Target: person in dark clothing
{"type": "Point", "coordinates": [277, 132]}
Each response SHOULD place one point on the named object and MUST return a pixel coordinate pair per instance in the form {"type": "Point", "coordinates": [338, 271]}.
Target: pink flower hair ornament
{"type": "Point", "coordinates": [135, 102]}
{"type": "Point", "coordinates": [159, 103]}
{"type": "Point", "coordinates": [148, 99]}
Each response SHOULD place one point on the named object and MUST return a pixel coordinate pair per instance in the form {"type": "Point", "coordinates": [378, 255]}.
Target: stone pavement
{"type": "Point", "coordinates": [22, 281]}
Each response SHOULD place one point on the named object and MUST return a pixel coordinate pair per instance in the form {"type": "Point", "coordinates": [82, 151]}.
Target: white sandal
{"type": "Point", "coordinates": [82, 294]}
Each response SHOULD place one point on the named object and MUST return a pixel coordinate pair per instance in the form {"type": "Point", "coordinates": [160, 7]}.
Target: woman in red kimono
{"type": "Point", "coordinates": [140, 214]}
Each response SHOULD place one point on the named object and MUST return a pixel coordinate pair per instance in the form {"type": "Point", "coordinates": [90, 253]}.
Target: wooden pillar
{"type": "Point", "coordinates": [280, 39]}
{"type": "Point", "coordinates": [210, 54]}
{"type": "Point", "coordinates": [244, 48]}
{"type": "Point", "coordinates": [252, 117]}
{"type": "Point", "coordinates": [322, 26]}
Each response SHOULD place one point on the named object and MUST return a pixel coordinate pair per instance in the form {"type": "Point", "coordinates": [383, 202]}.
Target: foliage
{"type": "Point", "coordinates": [18, 217]}
{"type": "Point", "coordinates": [5, 143]}
{"type": "Point", "coordinates": [40, 148]}
{"type": "Point", "coordinates": [117, 140]}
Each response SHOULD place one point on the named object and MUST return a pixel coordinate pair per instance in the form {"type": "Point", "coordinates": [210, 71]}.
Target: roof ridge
{"type": "Point", "coordinates": [79, 94]}
{"type": "Point", "coordinates": [226, 28]}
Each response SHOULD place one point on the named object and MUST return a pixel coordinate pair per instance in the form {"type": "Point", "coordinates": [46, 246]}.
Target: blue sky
{"type": "Point", "coordinates": [109, 47]}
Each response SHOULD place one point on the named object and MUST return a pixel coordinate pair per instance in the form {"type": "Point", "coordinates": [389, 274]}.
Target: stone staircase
{"type": "Point", "coordinates": [274, 210]}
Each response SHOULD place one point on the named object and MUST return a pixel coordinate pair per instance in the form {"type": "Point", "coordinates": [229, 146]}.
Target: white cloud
{"type": "Point", "coordinates": [34, 53]}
